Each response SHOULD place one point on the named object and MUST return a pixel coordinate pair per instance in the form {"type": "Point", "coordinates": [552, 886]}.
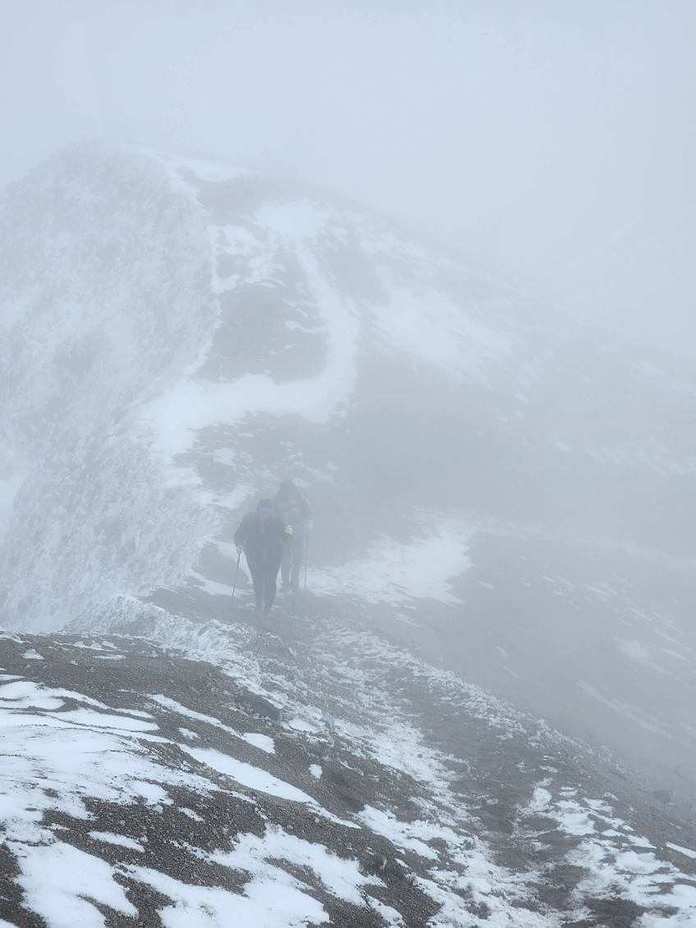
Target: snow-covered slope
{"type": "Point", "coordinates": [349, 783]}
{"type": "Point", "coordinates": [507, 494]}
{"type": "Point", "coordinates": [139, 326]}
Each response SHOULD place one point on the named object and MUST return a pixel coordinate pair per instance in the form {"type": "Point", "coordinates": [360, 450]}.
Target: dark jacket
{"type": "Point", "coordinates": [263, 538]}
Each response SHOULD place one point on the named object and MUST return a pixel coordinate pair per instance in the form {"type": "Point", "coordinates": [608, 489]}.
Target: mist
{"type": "Point", "coordinates": [552, 143]}
{"type": "Point", "coordinates": [347, 464]}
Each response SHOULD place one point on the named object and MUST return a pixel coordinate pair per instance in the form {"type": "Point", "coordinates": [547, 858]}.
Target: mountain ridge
{"type": "Point", "coordinates": [176, 338]}
{"type": "Point", "coordinates": [351, 781]}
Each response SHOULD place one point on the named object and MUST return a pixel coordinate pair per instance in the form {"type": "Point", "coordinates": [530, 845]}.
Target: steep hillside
{"type": "Point", "coordinates": [493, 488]}
{"type": "Point", "coordinates": [235, 782]}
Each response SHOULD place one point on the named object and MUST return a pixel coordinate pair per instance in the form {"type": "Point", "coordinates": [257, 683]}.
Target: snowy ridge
{"type": "Point", "coordinates": [652, 886]}
{"type": "Point", "coordinates": [194, 405]}
{"type": "Point", "coordinates": [135, 778]}
{"type": "Point", "coordinates": [180, 766]}
{"type": "Point", "coordinates": [172, 303]}
{"type": "Point", "coordinates": [119, 300]}
{"type": "Point", "coordinates": [136, 781]}
{"type": "Point", "coordinates": [178, 336]}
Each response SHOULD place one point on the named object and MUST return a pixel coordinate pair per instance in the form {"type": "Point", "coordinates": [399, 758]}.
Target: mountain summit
{"type": "Point", "coordinates": [504, 496]}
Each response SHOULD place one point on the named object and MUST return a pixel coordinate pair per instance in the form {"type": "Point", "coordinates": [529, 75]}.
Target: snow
{"type": "Point", "coordinates": [257, 779]}
{"type": "Point", "coordinates": [340, 876]}
{"type": "Point", "coordinates": [390, 916]}
{"type": "Point", "coordinates": [395, 572]}
{"type": "Point", "coordinates": [109, 837]}
{"type": "Point", "coordinates": [402, 746]}
{"type": "Point", "coordinates": [406, 835]}
{"type": "Point", "coordinates": [192, 405]}
{"type": "Point", "coordinates": [315, 771]}
{"type": "Point", "coordinates": [25, 694]}
{"type": "Point", "coordinates": [271, 898]}
{"type": "Point", "coordinates": [500, 896]}
{"type": "Point", "coordinates": [32, 655]}
{"type": "Point", "coordinates": [93, 646]}
{"type": "Point", "coordinates": [432, 328]}
{"type": "Point", "coordinates": [262, 742]}
{"type": "Point", "coordinates": [266, 903]}
{"type": "Point", "coordinates": [117, 328]}
{"type": "Point", "coordinates": [97, 704]}
{"type": "Point", "coordinates": [103, 720]}
{"type": "Point", "coordinates": [57, 760]}
{"type": "Point", "coordinates": [61, 883]}
{"type": "Point", "coordinates": [173, 706]}
{"type": "Point", "coordinates": [76, 763]}
{"type": "Point", "coordinates": [302, 725]}
{"type": "Point", "coordinates": [619, 862]}
{"type": "Point", "coordinates": [574, 819]}
{"type": "Point", "coordinates": [643, 878]}
{"type": "Point", "coordinates": [189, 813]}
{"type": "Point", "coordinates": [687, 852]}
{"type": "Point", "coordinates": [253, 778]}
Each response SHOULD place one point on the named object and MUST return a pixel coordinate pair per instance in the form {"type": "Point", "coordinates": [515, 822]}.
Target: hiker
{"type": "Point", "coordinates": [292, 507]}
{"type": "Point", "coordinates": [264, 536]}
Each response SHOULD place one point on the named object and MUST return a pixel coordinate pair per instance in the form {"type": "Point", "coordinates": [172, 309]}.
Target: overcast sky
{"type": "Point", "coordinates": [556, 140]}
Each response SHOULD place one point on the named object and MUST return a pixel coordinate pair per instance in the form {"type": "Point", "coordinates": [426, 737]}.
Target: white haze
{"type": "Point", "coordinates": [553, 141]}
{"type": "Point", "coordinates": [479, 704]}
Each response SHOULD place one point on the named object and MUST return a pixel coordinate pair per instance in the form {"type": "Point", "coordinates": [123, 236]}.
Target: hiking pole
{"type": "Point", "coordinates": [236, 573]}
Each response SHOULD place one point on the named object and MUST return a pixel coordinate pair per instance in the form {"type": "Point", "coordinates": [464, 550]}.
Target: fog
{"type": "Point", "coordinates": [555, 143]}
{"type": "Point", "coordinates": [552, 145]}
{"type": "Point", "coordinates": [347, 463]}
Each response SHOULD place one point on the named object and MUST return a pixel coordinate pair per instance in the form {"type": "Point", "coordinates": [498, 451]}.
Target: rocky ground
{"type": "Point", "coordinates": [202, 772]}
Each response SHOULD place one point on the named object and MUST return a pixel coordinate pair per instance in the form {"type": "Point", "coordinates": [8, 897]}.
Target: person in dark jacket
{"type": "Point", "coordinates": [292, 507]}
{"type": "Point", "coordinates": [263, 536]}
